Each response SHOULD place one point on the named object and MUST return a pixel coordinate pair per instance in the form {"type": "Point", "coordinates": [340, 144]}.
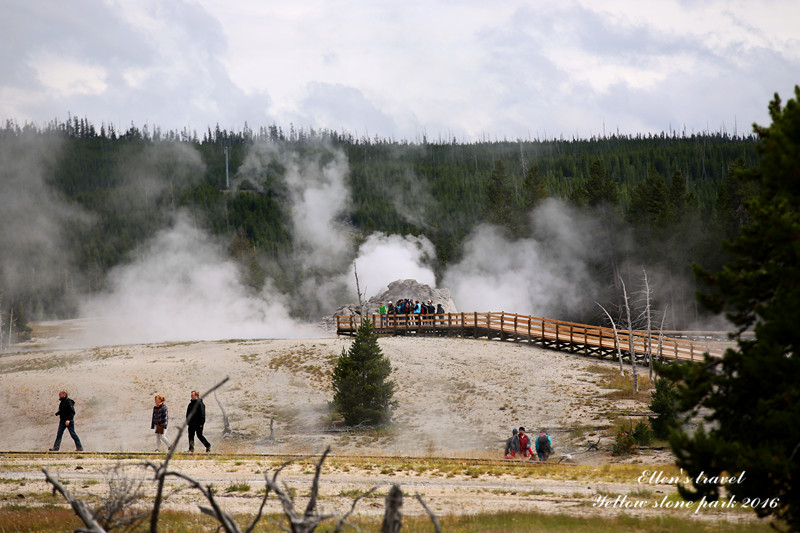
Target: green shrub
{"type": "Point", "coordinates": [664, 404]}
{"type": "Point", "coordinates": [625, 444]}
{"type": "Point", "coordinates": [643, 434]}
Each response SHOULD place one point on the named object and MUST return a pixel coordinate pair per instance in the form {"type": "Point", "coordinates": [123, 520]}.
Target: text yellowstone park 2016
{"type": "Point", "coordinates": [658, 477]}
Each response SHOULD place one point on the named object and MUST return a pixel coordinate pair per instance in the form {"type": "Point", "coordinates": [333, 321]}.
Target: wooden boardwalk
{"type": "Point", "coordinates": [554, 334]}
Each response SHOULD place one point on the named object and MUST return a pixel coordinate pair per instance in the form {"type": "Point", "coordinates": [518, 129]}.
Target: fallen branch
{"type": "Point", "coordinates": [78, 506]}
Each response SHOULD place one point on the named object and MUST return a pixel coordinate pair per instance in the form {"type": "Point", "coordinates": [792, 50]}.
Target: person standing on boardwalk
{"type": "Point", "coordinates": [196, 418]}
{"type": "Point", "coordinates": [382, 312]}
{"type": "Point", "coordinates": [160, 421]}
{"type": "Point", "coordinates": [66, 414]}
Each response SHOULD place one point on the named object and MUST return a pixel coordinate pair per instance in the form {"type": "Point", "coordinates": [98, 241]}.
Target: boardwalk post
{"type": "Point", "coordinates": [601, 343]}
{"type": "Point", "coordinates": [558, 346]}
{"type": "Point", "coordinates": [571, 343]}
{"type": "Point", "coordinates": [516, 337]}
{"type": "Point", "coordinates": [475, 326]}
{"type": "Point", "coordinates": [530, 337]}
{"type": "Point", "coordinates": [585, 340]}
{"type": "Point", "coordinates": [542, 337]}
{"type": "Point", "coordinates": [502, 330]}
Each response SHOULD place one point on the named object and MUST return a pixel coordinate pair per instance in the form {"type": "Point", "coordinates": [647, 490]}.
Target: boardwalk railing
{"type": "Point", "coordinates": [555, 334]}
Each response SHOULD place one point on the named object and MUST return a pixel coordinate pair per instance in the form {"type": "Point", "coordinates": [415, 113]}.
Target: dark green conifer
{"type": "Point", "coordinates": [362, 392]}
{"type": "Point", "coordinates": [752, 393]}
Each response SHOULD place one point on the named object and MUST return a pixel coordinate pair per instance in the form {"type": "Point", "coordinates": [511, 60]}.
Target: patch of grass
{"type": "Point", "coordinates": [622, 386]}
{"type": "Point", "coordinates": [305, 360]}
{"type": "Point", "coordinates": [47, 362]}
{"type": "Point", "coordinates": [238, 487]}
{"type": "Point", "coordinates": [251, 358]}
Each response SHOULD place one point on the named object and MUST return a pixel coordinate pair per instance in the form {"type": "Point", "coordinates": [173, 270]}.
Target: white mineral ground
{"type": "Point", "coordinates": [456, 398]}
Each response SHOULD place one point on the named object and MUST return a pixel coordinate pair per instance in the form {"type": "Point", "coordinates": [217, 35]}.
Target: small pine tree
{"type": "Point", "coordinates": [665, 405]}
{"type": "Point", "coordinates": [642, 434]}
{"type": "Point", "coordinates": [361, 390]}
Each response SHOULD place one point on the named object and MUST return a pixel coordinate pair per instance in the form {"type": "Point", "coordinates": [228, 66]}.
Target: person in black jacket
{"type": "Point", "coordinates": [196, 417]}
{"type": "Point", "coordinates": [66, 414]}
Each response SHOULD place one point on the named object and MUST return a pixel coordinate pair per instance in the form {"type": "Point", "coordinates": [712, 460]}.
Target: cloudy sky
{"type": "Point", "coordinates": [443, 68]}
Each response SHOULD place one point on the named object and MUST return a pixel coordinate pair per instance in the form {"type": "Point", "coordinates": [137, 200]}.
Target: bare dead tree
{"type": "Point", "coordinates": [649, 350]}
{"type": "Point", "coordinates": [116, 511]}
{"type": "Point", "coordinates": [271, 438]}
{"type": "Point", "coordinates": [226, 521]}
{"type": "Point", "coordinates": [631, 347]}
{"type": "Point", "coordinates": [310, 518]}
{"type": "Point", "coordinates": [660, 342]}
{"type": "Point", "coordinates": [80, 509]}
{"type": "Point", "coordinates": [436, 525]}
{"type": "Point", "coordinates": [616, 339]}
{"type": "Point", "coordinates": [227, 431]}
{"type": "Point", "coordinates": [392, 517]}
{"type": "Point", "coordinates": [361, 304]}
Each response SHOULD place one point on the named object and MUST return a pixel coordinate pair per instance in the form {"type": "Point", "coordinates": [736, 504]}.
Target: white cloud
{"type": "Point", "coordinates": [69, 76]}
{"type": "Point", "coordinates": [470, 69]}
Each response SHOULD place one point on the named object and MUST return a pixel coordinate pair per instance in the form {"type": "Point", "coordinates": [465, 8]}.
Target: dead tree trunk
{"type": "Point", "coordinates": [361, 310]}
{"type": "Point", "coordinates": [392, 517]}
{"type": "Point", "coordinates": [649, 351]}
{"type": "Point", "coordinates": [616, 340]}
{"type": "Point", "coordinates": [226, 430]}
{"type": "Point", "coordinates": [631, 347]}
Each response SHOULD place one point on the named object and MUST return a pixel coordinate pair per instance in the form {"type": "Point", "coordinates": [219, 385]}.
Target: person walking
{"type": "Point", "coordinates": [196, 418]}
{"type": "Point", "coordinates": [160, 421]}
{"type": "Point", "coordinates": [66, 414]}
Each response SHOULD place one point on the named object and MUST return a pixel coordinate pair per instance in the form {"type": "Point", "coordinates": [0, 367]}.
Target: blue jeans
{"type": "Point", "coordinates": [71, 427]}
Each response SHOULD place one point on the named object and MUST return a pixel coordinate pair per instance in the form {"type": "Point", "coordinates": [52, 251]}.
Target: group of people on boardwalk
{"type": "Point", "coordinates": [195, 418]}
{"type": "Point", "coordinates": [415, 309]}
{"type": "Point", "coordinates": [408, 306]}
{"type": "Point", "coordinates": [519, 443]}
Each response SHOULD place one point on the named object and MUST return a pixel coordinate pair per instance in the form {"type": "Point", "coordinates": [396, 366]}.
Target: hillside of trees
{"type": "Point", "coordinates": [677, 195]}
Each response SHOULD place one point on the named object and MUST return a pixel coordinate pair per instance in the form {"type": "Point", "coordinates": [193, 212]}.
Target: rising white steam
{"type": "Point", "coordinates": [544, 275]}
{"type": "Point", "coordinates": [182, 288]}
{"type": "Point", "coordinates": [34, 219]}
{"type": "Point", "coordinates": [383, 259]}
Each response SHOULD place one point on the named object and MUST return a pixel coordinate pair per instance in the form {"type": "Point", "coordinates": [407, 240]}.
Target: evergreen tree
{"type": "Point", "coordinates": [664, 404]}
{"type": "Point", "coordinates": [600, 187]}
{"type": "Point", "coordinates": [734, 192]}
{"type": "Point", "coordinates": [361, 390]}
{"type": "Point", "coordinates": [678, 195]}
{"type": "Point", "coordinates": [534, 189]}
{"type": "Point", "coordinates": [499, 194]}
{"type": "Point", "coordinates": [752, 392]}
{"type": "Point", "coordinates": [650, 202]}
